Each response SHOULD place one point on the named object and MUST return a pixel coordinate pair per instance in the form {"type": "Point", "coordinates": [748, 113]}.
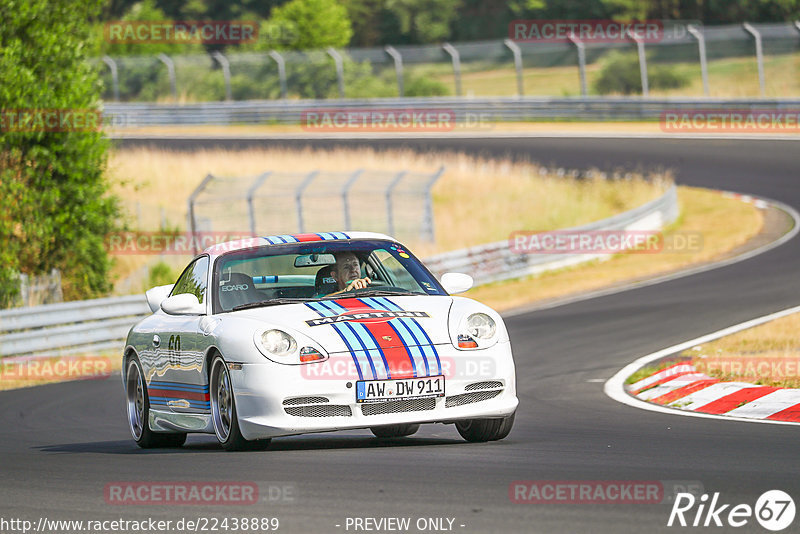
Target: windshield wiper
{"type": "Point", "coordinates": [270, 302]}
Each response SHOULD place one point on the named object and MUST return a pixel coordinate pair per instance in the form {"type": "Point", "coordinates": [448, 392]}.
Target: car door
{"type": "Point", "coordinates": [179, 382]}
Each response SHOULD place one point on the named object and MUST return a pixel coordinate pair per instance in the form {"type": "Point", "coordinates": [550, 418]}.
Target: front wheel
{"type": "Point", "coordinates": [138, 404]}
{"type": "Point", "coordinates": [223, 411]}
{"type": "Point", "coordinates": [394, 431]}
{"type": "Point", "coordinates": [477, 430]}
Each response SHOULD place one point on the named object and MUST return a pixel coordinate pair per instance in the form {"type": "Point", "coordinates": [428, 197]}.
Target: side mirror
{"type": "Point", "coordinates": [156, 295]}
{"type": "Point", "coordinates": [455, 283]}
{"type": "Point", "coordinates": [183, 304]}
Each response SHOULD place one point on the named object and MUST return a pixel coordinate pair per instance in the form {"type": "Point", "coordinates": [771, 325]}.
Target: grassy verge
{"type": "Point", "coordinates": [723, 223]}
{"type": "Point", "coordinates": [768, 354]}
{"type": "Point", "coordinates": [476, 201]}
{"type": "Point", "coordinates": [728, 78]}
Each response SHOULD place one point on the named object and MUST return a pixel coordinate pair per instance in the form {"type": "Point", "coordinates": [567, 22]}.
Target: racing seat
{"type": "Point", "coordinates": [239, 289]}
{"type": "Point", "coordinates": [324, 283]}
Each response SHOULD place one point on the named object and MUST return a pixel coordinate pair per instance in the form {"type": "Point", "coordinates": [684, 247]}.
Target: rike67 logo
{"type": "Point", "coordinates": [774, 510]}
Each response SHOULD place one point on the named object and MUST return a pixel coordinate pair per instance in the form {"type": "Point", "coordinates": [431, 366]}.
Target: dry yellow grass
{"type": "Point", "coordinates": [768, 354]}
{"type": "Point", "coordinates": [475, 202]}
{"type": "Point", "coordinates": [724, 224]}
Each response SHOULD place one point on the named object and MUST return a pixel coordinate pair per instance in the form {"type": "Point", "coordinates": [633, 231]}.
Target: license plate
{"type": "Point", "coordinates": [402, 388]}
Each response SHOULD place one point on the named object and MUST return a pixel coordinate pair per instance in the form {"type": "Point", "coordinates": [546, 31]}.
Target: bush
{"type": "Point", "coordinates": [54, 206]}
{"type": "Point", "coordinates": [621, 75]}
{"type": "Point", "coordinates": [161, 274]}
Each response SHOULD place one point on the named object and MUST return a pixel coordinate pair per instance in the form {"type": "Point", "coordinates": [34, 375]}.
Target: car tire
{"type": "Point", "coordinates": [394, 431]}
{"type": "Point", "coordinates": [477, 430]}
{"type": "Point", "coordinates": [223, 411]}
{"type": "Point", "coordinates": [138, 407]}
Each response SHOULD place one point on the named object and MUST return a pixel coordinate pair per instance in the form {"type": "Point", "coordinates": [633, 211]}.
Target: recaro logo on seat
{"type": "Point", "coordinates": [238, 287]}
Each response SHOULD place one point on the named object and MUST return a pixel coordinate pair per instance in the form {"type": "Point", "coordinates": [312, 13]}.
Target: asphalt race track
{"type": "Point", "coordinates": [62, 444]}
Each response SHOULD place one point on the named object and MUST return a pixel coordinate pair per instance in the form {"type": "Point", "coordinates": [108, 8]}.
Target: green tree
{"type": "Point", "coordinates": [55, 210]}
{"type": "Point", "coordinates": [312, 23]}
{"type": "Point", "coordinates": [425, 21]}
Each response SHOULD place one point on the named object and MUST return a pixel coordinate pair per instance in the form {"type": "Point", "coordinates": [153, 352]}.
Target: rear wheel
{"type": "Point", "coordinates": [138, 404]}
{"type": "Point", "coordinates": [223, 411]}
{"type": "Point", "coordinates": [394, 431]}
{"type": "Point", "coordinates": [477, 430]}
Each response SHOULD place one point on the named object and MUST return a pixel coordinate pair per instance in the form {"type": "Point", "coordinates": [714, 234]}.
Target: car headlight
{"type": "Point", "coordinates": [481, 326]}
{"type": "Point", "coordinates": [277, 343]}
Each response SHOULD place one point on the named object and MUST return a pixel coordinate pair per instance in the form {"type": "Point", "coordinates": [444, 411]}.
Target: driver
{"type": "Point", "coordinates": [347, 272]}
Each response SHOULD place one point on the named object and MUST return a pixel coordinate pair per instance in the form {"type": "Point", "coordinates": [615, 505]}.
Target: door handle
{"type": "Point", "coordinates": [156, 340]}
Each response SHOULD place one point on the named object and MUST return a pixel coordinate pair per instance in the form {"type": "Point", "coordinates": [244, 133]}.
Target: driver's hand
{"type": "Point", "coordinates": [358, 283]}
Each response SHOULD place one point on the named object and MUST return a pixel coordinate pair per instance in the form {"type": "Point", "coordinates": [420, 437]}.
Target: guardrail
{"type": "Point", "coordinates": [91, 325]}
{"type": "Point", "coordinates": [496, 261]}
{"type": "Point", "coordinates": [82, 325]}
{"type": "Point", "coordinates": [475, 112]}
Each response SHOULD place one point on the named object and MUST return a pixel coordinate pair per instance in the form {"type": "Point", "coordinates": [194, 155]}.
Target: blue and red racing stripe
{"type": "Point", "coordinates": [373, 344]}
{"type": "Point", "coordinates": [305, 238]}
{"type": "Point", "coordinates": [161, 393]}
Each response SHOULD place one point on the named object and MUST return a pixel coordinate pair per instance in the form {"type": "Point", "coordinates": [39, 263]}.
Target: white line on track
{"type": "Point", "coordinates": [673, 276]}
{"type": "Point", "coordinates": [615, 387]}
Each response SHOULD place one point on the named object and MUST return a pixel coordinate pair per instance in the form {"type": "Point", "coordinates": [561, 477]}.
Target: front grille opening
{"type": "Point", "coordinates": [305, 400]}
{"type": "Point", "coordinates": [469, 398]}
{"type": "Point", "coordinates": [484, 385]}
{"type": "Point", "coordinates": [328, 410]}
{"type": "Point", "coordinates": [409, 405]}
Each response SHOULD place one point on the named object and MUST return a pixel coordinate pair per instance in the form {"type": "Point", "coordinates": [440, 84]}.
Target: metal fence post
{"type": "Point", "coordinates": [429, 204]}
{"type": "Point", "coordinates": [514, 47]}
{"type": "Point", "coordinates": [281, 71]}
{"type": "Point", "coordinates": [337, 59]}
{"type": "Point", "coordinates": [192, 217]}
{"type": "Point", "coordinates": [581, 63]}
{"type": "Point", "coordinates": [642, 63]}
{"type": "Point", "coordinates": [701, 44]}
{"type": "Point", "coordinates": [166, 60]}
{"type": "Point", "coordinates": [398, 68]}
{"type": "Point", "coordinates": [749, 28]}
{"type": "Point", "coordinates": [456, 57]}
{"type": "Point", "coordinates": [112, 65]}
{"type": "Point", "coordinates": [226, 71]}
{"type": "Point", "coordinates": [346, 197]}
{"type": "Point", "coordinates": [250, 194]}
{"type": "Point", "coordinates": [389, 191]}
{"type": "Point", "coordinates": [298, 198]}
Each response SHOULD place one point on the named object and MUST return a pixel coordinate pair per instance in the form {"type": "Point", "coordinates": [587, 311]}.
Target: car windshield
{"type": "Point", "coordinates": [279, 274]}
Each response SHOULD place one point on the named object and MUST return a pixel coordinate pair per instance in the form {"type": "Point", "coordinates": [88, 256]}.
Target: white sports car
{"type": "Point", "coordinates": [282, 335]}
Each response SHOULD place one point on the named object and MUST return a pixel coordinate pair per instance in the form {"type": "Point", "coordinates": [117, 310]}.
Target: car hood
{"type": "Point", "coordinates": [346, 324]}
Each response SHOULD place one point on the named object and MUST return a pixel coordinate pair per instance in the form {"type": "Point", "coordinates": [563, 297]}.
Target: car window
{"type": "Point", "coordinates": [194, 280]}
{"type": "Point", "coordinates": [304, 271]}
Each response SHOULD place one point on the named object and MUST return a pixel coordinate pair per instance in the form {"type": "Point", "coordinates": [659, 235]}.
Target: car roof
{"type": "Point", "coordinates": [282, 239]}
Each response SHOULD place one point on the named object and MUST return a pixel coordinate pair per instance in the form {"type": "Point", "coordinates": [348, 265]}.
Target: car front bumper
{"type": "Point", "coordinates": [279, 400]}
